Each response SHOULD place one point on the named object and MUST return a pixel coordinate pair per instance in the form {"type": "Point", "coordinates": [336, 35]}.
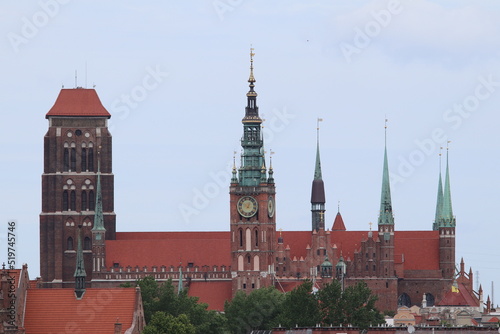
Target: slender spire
{"type": "Point", "coordinates": [317, 170]}
{"type": "Point", "coordinates": [318, 191]}
{"type": "Point", "coordinates": [252, 111]}
{"type": "Point", "coordinates": [386, 217]}
{"type": "Point", "coordinates": [447, 218]}
{"type": "Point", "coordinates": [439, 202]}
{"type": "Point", "coordinates": [98, 217]}
{"type": "Point", "coordinates": [80, 273]}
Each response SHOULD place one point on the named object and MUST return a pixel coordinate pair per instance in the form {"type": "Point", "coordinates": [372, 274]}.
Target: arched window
{"type": "Point", "coordinates": [404, 300]}
{"type": "Point", "coordinates": [72, 201]}
{"type": "Point", "coordinates": [65, 201]}
{"type": "Point", "coordinates": [430, 299]}
{"type": "Point", "coordinates": [84, 159]}
{"type": "Point", "coordinates": [240, 263]}
{"type": "Point", "coordinates": [90, 159]}
{"type": "Point", "coordinates": [84, 200]}
{"type": "Point", "coordinates": [256, 263]}
{"type": "Point", "coordinates": [69, 244]}
{"type": "Point", "coordinates": [91, 200]}
{"type": "Point", "coordinates": [256, 238]}
{"type": "Point", "coordinates": [241, 237]}
{"type": "Point", "coordinates": [66, 159]}
{"type": "Point", "coordinates": [248, 240]}
{"type": "Point", "coordinates": [86, 243]}
{"type": "Point", "coordinates": [73, 159]}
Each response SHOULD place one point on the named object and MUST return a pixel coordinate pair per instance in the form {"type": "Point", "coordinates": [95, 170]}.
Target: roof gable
{"type": "Point", "coordinates": [78, 102]}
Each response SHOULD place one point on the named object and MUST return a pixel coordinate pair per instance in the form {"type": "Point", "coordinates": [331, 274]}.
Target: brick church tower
{"type": "Point", "coordinates": [252, 206]}
{"type": "Point", "coordinates": [77, 138]}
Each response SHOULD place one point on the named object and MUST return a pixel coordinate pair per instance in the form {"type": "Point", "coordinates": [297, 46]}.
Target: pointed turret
{"type": "Point", "coordinates": [318, 192]}
{"type": "Point", "coordinates": [98, 217]}
{"type": "Point", "coordinates": [386, 217]}
{"type": "Point", "coordinates": [447, 218]}
{"type": "Point", "coordinates": [439, 202]}
{"type": "Point", "coordinates": [181, 282]}
{"type": "Point", "coordinates": [253, 170]}
{"type": "Point", "coordinates": [80, 273]}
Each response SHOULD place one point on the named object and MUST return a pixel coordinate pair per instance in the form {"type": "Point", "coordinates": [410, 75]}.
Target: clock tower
{"type": "Point", "coordinates": [252, 205]}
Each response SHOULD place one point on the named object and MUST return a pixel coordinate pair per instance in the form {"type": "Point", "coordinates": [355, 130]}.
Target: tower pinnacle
{"type": "Point", "coordinates": [318, 191]}
{"type": "Point", "coordinates": [447, 218]}
{"type": "Point", "coordinates": [80, 273]}
{"type": "Point", "coordinates": [98, 217]}
{"type": "Point", "coordinates": [439, 202]}
{"type": "Point", "coordinates": [386, 217]}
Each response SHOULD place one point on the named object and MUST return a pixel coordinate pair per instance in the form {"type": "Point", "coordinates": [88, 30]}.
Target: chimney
{"type": "Point", "coordinates": [118, 327]}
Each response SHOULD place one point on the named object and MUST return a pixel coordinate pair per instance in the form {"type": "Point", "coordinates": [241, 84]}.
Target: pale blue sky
{"type": "Point", "coordinates": [351, 63]}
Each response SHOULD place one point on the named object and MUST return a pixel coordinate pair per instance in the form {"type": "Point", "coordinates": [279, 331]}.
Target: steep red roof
{"type": "Point", "coordinates": [58, 311]}
{"type": "Point", "coordinates": [463, 297]}
{"type": "Point", "coordinates": [338, 223]}
{"type": "Point", "coordinates": [214, 294]}
{"type": "Point", "coordinates": [169, 248]}
{"type": "Point", "coordinates": [78, 102]}
{"type": "Point", "coordinates": [419, 250]}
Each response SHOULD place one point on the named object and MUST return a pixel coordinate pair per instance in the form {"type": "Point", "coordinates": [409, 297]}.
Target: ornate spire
{"type": "Point", "coordinates": [98, 217]}
{"type": "Point", "coordinates": [447, 218]}
{"type": "Point", "coordinates": [252, 170]}
{"type": "Point", "coordinates": [439, 202]}
{"type": "Point", "coordinates": [80, 268]}
{"type": "Point", "coordinates": [385, 217]}
{"type": "Point", "coordinates": [318, 191]}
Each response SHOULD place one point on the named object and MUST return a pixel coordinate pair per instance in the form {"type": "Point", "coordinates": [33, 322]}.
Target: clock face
{"type": "Point", "coordinates": [270, 206]}
{"type": "Point", "coordinates": [247, 206]}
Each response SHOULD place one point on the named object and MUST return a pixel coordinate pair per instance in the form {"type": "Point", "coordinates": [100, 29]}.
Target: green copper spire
{"type": "Point", "coordinates": [386, 217]}
{"type": "Point", "coordinates": [253, 170]}
{"type": "Point", "coordinates": [318, 198]}
{"type": "Point", "coordinates": [447, 218]}
{"type": "Point", "coordinates": [439, 202]}
{"type": "Point", "coordinates": [98, 217]}
{"type": "Point", "coordinates": [317, 170]}
{"type": "Point", "coordinates": [80, 268]}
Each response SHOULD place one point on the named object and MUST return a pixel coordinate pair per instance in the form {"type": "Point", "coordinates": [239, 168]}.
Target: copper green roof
{"type": "Point", "coordinates": [385, 217]}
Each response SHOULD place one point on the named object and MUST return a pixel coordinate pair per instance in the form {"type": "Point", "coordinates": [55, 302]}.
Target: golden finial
{"type": "Point", "coordinates": [281, 232]}
{"type": "Point", "coordinates": [251, 79]}
{"type": "Point", "coordinates": [370, 223]}
{"type": "Point", "coordinates": [234, 159]}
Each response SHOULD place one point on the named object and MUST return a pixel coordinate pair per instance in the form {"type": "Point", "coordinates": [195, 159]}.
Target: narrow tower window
{"type": "Point", "coordinates": [91, 200]}
{"type": "Point", "coordinates": [84, 200]}
{"type": "Point", "coordinates": [86, 243]}
{"type": "Point", "coordinates": [73, 159]}
{"type": "Point", "coordinates": [84, 159]}
{"type": "Point", "coordinates": [256, 238]}
{"type": "Point", "coordinates": [90, 158]}
{"type": "Point", "coordinates": [69, 244]}
{"type": "Point", "coordinates": [65, 201]}
{"type": "Point", "coordinates": [66, 160]}
{"type": "Point", "coordinates": [241, 237]}
{"type": "Point", "coordinates": [72, 201]}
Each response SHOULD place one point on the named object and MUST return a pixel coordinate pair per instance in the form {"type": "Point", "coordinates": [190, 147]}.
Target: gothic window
{"type": "Point", "coordinates": [72, 201]}
{"type": "Point", "coordinates": [248, 240]}
{"type": "Point", "coordinates": [256, 263]}
{"type": "Point", "coordinates": [240, 263]}
{"type": "Point", "coordinates": [84, 159]}
{"type": "Point", "coordinates": [256, 238]}
{"type": "Point", "coordinates": [65, 201]}
{"type": "Point", "coordinates": [241, 237]}
{"type": "Point", "coordinates": [72, 159]}
{"type": "Point", "coordinates": [404, 300]}
{"type": "Point", "coordinates": [69, 244]}
{"type": "Point", "coordinates": [91, 200]}
{"type": "Point", "coordinates": [86, 243]}
{"type": "Point", "coordinates": [90, 159]}
{"type": "Point", "coordinates": [366, 267]}
{"type": "Point", "coordinates": [84, 200]}
{"type": "Point", "coordinates": [430, 299]}
{"type": "Point", "coordinates": [374, 268]}
{"type": "Point", "coordinates": [249, 260]}
{"type": "Point", "coordinates": [66, 159]}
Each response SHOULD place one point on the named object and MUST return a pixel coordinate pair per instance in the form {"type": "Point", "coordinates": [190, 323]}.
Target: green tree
{"type": "Point", "coordinates": [359, 306]}
{"type": "Point", "coordinates": [258, 310]}
{"type": "Point", "coordinates": [164, 298]}
{"type": "Point", "coordinates": [331, 304]}
{"type": "Point", "coordinates": [162, 323]}
{"type": "Point", "coordinates": [300, 307]}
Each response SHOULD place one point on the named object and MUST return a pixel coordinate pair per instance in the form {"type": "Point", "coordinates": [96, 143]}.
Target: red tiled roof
{"type": "Point", "coordinates": [169, 248]}
{"type": "Point", "coordinates": [418, 249]}
{"type": "Point", "coordinates": [463, 297]}
{"type": "Point", "coordinates": [494, 319]}
{"type": "Point", "coordinates": [338, 223]}
{"type": "Point", "coordinates": [212, 293]}
{"type": "Point", "coordinates": [78, 102]}
{"type": "Point", "coordinates": [58, 311]}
